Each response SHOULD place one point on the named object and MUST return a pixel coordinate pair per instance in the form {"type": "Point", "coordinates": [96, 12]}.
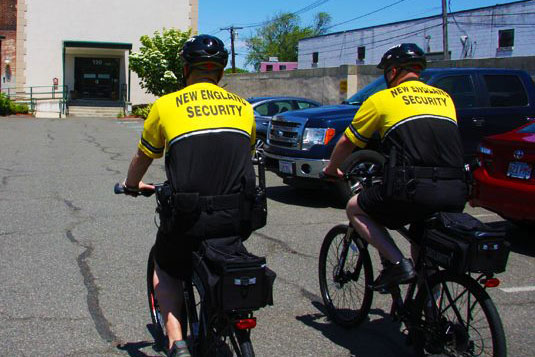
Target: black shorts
{"type": "Point", "coordinates": [429, 197]}
{"type": "Point", "coordinates": [172, 253]}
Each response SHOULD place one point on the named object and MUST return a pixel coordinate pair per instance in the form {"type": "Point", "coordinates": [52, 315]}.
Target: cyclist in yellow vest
{"type": "Point", "coordinates": [417, 124]}
{"type": "Point", "coordinates": [207, 135]}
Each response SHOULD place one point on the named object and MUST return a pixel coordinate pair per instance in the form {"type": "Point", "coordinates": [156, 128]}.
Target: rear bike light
{"type": "Point", "coordinates": [245, 324]}
{"type": "Point", "coordinates": [491, 282]}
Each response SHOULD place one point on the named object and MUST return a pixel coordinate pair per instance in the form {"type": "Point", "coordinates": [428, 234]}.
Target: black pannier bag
{"type": "Point", "coordinates": [461, 243]}
{"type": "Point", "coordinates": [236, 279]}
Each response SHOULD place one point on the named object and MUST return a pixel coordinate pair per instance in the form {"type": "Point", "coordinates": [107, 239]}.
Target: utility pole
{"type": "Point", "coordinates": [232, 29]}
{"type": "Point", "coordinates": [445, 30]}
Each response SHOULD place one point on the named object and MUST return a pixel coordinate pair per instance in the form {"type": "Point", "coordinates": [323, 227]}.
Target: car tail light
{"type": "Point", "coordinates": [245, 324]}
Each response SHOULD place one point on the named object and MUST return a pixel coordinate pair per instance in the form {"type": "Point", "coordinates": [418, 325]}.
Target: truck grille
{"type": "Point", "coordinates": [285, 133]}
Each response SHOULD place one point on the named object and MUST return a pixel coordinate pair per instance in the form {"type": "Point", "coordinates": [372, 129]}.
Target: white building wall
{"type": "Point", "coordinates": [480, 26]}
{"type": "Point", "coordinates": [49, 23]}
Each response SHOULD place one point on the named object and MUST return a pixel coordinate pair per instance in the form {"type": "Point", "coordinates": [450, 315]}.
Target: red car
{"type": "Point", "coordinates": [504, 182]}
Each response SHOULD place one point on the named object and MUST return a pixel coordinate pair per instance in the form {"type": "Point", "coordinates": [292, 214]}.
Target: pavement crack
{"type": "Point", "coordinates": [114, 156]}
{"type": "Point", "coordinates": [116, 172]}
{"type": "Point", "coordinates": [7, 233]}
{"type": "Point", "coordinates": [102, 325]}
{"type": "Point", "coordinates": [71, 205]}
{"type": "Point", "coordinates": [283, 245]}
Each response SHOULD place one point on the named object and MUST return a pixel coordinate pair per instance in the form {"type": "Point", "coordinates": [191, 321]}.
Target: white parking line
{"type": "Point", "coordinates": [519, 289]}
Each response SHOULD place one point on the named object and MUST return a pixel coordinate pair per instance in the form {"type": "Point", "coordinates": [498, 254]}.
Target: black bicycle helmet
{"type": "Point", "coordinates": [402, 55]}
{"type": "Point", "coordinates": [204, 49]}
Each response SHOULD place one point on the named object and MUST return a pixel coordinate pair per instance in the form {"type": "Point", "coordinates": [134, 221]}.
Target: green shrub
{"type": "Point", "coordinates": [21, 108]}
{"type": "Point", "coordinates": [5, 105]}
{"type": "Point", "coordinates": [141, 110]}
{"type": "Point", "coordinates": [8, 106]}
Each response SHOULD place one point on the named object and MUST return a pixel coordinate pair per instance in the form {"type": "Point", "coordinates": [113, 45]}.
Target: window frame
{"type": "Point", "coordinates": [503, 32]}
{"type": "Point", "coordinates": [476, 101]}
{"type": "Point", "coordinates": [488, 93]}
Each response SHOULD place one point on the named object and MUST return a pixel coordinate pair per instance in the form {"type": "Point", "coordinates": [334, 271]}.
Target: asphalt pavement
{"type": "Point", "coordinates": [73, 255]}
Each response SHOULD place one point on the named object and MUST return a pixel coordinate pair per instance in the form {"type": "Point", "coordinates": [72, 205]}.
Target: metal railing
{"type": "Point", "coordinates": [30, 95]}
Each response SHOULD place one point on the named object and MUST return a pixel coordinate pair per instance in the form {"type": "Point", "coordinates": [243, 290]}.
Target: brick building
{"type": "Point", "coordinates": [8, 30]}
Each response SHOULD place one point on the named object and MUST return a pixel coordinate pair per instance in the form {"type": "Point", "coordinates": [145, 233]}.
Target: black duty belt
{"type": "Point", "coordinates": [436, 173]}
{"type": "Point", "coordinates": [189, 202]}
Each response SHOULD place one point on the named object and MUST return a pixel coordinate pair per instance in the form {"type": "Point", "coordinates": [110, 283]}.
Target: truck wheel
{"type": "Point", "coordinates": [371, 159]}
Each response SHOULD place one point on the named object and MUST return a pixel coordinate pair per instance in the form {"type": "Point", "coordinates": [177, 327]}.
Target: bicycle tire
{"type": "Point", "coordinates": [464, 338]}
{"type": "Point", "coordinates": [359, 306]}
{"type": "Point", "coordinates": [160, 337]}
{"type": "Point", "coordinates": [244, 341]}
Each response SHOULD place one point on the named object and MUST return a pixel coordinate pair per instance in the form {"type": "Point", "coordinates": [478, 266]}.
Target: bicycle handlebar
{"type": "Point", "coordinates": [119, 189]}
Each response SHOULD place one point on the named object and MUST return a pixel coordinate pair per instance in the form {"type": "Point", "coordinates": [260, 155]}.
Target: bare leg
{"type": "Point", "coordinates": [372, 232]}
{"type": "Point", "coordinates": [170, 295]}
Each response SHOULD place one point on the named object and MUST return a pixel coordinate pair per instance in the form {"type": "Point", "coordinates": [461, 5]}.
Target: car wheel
{"type": "Point", "coordinates": [371, 160]}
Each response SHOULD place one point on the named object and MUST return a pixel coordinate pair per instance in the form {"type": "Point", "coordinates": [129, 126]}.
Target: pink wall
{"type": "Point", "coordinates": [290, 66]}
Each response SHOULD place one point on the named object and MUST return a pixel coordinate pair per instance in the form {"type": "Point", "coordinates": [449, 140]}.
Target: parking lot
{"type": "Point", "coordinates": [73, 255]}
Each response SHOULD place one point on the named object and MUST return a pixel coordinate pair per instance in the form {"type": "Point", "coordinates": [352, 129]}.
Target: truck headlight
{"type": "Point", "coordinates": [317, 136]}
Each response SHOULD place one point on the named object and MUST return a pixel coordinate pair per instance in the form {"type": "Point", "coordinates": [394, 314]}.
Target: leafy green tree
{"type": "Point", "coordinates": [322, 20]}
{"type": "Point", "coordinates": [158, 63]}
{"type": "Point", "coordinates": [280, 36]}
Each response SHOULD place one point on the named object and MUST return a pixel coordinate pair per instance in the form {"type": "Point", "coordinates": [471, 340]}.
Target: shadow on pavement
{"type": "Point", "coordinates": [378, 337]}
{"type": "Point", "coordinates": [521, 237]}
{"type": "Point", "coordinates": [134, 349]}
{"type": "Point", "coordinates": [314, 198]}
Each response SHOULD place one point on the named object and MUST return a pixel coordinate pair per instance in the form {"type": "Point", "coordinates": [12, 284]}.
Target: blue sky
{"type": "Point", "coordinates": [217, 14]}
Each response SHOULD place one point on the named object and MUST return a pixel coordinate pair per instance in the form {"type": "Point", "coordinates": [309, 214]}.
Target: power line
{"type": "Point", "coordinates": [337, 45]}
{"type": "Point", "coordinates": [231, 29]}
{"type": "Point", "coordinates": [309, 7]}
{"type": "Point", "coordinates": [367, 14]}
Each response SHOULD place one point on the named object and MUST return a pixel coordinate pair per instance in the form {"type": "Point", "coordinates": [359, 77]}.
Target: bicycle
{"type": "Point", "coordinates": [209, 331]}
{"type": "Point", "coordinates": [443, 311]}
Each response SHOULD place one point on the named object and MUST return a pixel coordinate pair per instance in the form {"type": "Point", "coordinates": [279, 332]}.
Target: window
{"type": "Point", "coordinates": [272, 108]}
{"type": "Point", "coordinates": [269, 68]}
{"type": "Point", "coordinates": [461, 90]}
{"type": "Point", "coordinates": [506, 38]}
{"type": "Point", "coordinates": [361, 53]}
{"type": "Point", "coordinates": [262, 109]}
{"type": "Point", "coordinates": [505, 91]}
{"type": "Point", "coordinates": [282, 67]}
{"type": "Point", "coordinates": [305, 105]}
{"type": "Point", "coordinates": [315, 57]}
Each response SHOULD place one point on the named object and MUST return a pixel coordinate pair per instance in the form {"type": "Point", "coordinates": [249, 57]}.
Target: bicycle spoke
{"type": "Point", "coordinates": [463, 326]}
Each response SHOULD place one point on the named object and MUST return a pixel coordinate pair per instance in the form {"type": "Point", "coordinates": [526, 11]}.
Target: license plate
{"type": "Point", "coordinates": [286, 167]}
{"type": "Point", "coordinates": [520, 170]}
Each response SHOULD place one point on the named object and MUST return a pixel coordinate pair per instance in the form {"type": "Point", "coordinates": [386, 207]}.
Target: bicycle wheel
{"type": "Point", "coordinates": [160, 337]}
{"type": "Point", "coordinates": [345, 276]}
{"type": "Point", "coordinates": [217, 335]}
{"type": "Point", "coordinates": [465, 321]}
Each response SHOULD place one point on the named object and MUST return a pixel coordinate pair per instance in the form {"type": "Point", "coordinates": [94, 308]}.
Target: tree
{"type": "Point", "coordinates": [158, 63]}
{"type": "Point", "coordinates": [322, 20]}
{"type": "Point", "coordinates": [280, 36]}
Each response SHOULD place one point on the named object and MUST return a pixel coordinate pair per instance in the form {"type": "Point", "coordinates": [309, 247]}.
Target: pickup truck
{"type": "Point", "coordinates": [488, 101]}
